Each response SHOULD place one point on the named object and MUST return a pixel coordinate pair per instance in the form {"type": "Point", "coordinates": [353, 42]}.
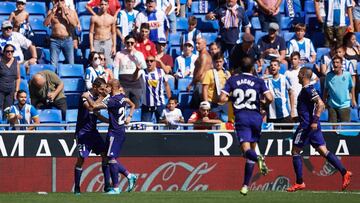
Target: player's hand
{"type": "Point", "coordinates": [128, 120]}
{"type": "Point", "coordinates": [314, 126]}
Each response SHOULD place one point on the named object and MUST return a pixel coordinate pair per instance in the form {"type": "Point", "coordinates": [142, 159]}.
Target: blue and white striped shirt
{"type": "Point", "coordinates": [153, 86]}
{"type": "Point", "coordinates": [305, 48]}
{"type": "Point", "coordinates": [336, 12]}
{"type": "Point", "coordinates": [157, 21]}
{"type": "Point", "coordinates": [184, 64]}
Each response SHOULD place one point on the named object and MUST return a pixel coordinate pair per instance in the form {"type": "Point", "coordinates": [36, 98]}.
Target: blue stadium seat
{"type": "Point", "coordinates": [183, 83]}
{"type": "Point", "coordinates": [324, 117]}
{"type": "Point", "coordinates": [81, 8]}
{"type": "Point", "coordinates": [309, 7]}
{"type": "Point", "coordinates": [24, 85]}
{"type": "Point", "coordinates": [71, 117]}
{"type": "Point", "coordinates": [255, 23]}
{"type": "Point", "coordinates": [208, 25]}
{"type": "Point", "coordinates": [320, 51]}
{"type": "Point", "coordinates": [258, 35]}
{"type": "Point", "coordinates": [7, 7]}
{"type": "Point", "coordinates": [40, 67]}
{"type": "Point", "coordinates": [36, 8]}
{"type": "Point", "coordinates": [46, 53]}
{"type": "Point", "coordinates": [358, 70]}
{"type": "Point", "coordinates": [283, 68]}
{"type": "Point", "coordinates": [171, 81]}
{"type": "Point", "coordinates": [84, 40]}
{"type": "Point", "coordinates": [282, 8]}
{"type": "Point", "coordinates": [71, 71]}
{"type": "Point", "coordinates": [195, 7]}
{"type": "Point", "coordinates": [37, 25]}
{"type": "Point", "coordinates": [318, 39]}
{"type": "Point", "coordinates": [136, 115]}
{"type": "Point", "coordinates": [354, 115]}
{"type": "Point", "coordinates": [357, 36]}
{"type": "Point", "coordinates": [185, 99]}
{"type": "Point", "coordinates": [174, 51]}
{"type": "Point", "coordinates": [73, 85]}
{"type": "Point", "coordinates": [50, 116]}
{"type": "Point", "coordinates": [3, 17]}
{"type": "Point", "coordinates": [210, 37]}
{"type": "Point", "coordinates": [85, 22]}
{"type": "Point", "coordinates": [286, 23]}
{"type": "Point", "coordinates": [187, 113]}
{"type": "Point", "coordinates": [23, 71]}
{"type": "Point", "coordinates": [288, 35]}
{"type": "Point", "coordinates": [181, 24]}
{"type": "Point", "coordinates": [174, 39]}
{"type": "Point", "coordinates": [72, 100]}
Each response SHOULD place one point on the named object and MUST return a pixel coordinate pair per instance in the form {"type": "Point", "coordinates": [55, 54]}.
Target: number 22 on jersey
{"type": "Point", "coordinates": [244, 99]}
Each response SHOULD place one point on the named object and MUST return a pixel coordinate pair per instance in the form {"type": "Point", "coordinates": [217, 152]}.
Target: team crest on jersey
{"type": "Point", "coordinates": [153, 83]}
{"type": "Point", "coordinates": [148, 47]}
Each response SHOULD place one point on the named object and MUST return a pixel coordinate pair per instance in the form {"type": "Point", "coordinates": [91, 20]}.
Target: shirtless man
{"type": "Point", "coordinates": [62, 21]}
{"type": "Point", "coordinates": [102, 34]}
{"type": "Point", "coordinates": [19, 16]}
{"type": "Point", "coordinates": [202, 64]}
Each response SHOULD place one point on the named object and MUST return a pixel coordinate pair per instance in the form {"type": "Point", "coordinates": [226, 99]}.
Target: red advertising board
{"type": "Point", "coordinates": [171, 173]}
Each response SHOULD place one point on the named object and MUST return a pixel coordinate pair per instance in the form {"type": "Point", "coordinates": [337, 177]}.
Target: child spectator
{"type": "Point", "coordinates": [171, 115]}
{"type": "Point", "coordinates": [191, 34]}
{"type": "Point", "coordinates": [185, 64]}
{"type": "Point", "coordinates": [302, 44]}
{"type": "Point", "coordinates": [20, 19]}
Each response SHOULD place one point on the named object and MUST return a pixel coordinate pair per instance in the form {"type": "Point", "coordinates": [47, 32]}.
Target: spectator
{"type": "Point", "coordinates": [325, 61]}
{"type": "Point", "coordinates": [125, 21]}
{"type": "Point", "coordinates": [245, 48]}
{"type": "Point", "coordinates": [20, 19]}
{"type": "Point", "coordinates": [191, 34]}
{"type": "Point", "coordinates": [144, 44]}
{"type": "Point", "coordinates": [125, 64]}
{"type": "Point", "coordinates": [302, 44]}
{"type": "Point", "coordinates": [171, 115]}
{"type": "Point", "coordinates": [335, 23]}
{"type": "Point", "coordinates": [154, 83]}
{"type": "Point", "coordinates": [356, 15]}
{"type": "Point", "coordinates": [231, 17]}
{"type": "Point", "coordinates": [156, 19]}
{"type": "Point", "coordinates": [18, 41]}
{"type": "Point", "coordinates": [102, 34]}
{"type": "Point", "coordinates": [171, 11]}
{"type": "Point", "coordinates": [184, 6]}
{"type": "Point", "coordinates": [292, 74]}
{"type": "Point", "coordinates": [9, 77]}
{"type": "Point", "coordinates": [352, 48]}
{"type": "Point", "coordinates": [108, 72]}
{"type": "Point", "coordinates": [272, 46]}
{"type": "Point", "coordinates": [113, 8]}
{"type": "Point", "coordinates": [212, 84]}
{"type": "Point", "coordinates": [281, 109]}
{"type": "Point", "coordinates": [94, 70]}
{"type": "Point", "coordinates": [347, 64]}
{"type": "Point", "coordinates": [47, 91]}
{"type": "Point", "coordinates": [185, 64]}
{"type": "Point", "coordinates": [214, 48]}
{"type": "Point", "coordinates": [339, 102]}
{"type": "Point", "coordinates": [202, 64]}
{"type": "Point", "coordinates": [269, 12]}
{"type": "Point", "coordinates": [62, 21]}
{"type": "Point", "coordinates": [23, 113]}
{"type": "Point", "coordinates": [163, 60]}
{"type": "Point", "coordinates": [204, 118]}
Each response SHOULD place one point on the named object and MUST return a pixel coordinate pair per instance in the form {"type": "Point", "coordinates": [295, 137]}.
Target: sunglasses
{"type": "Point", "coordinates": [130, 43]}
{"type": "Point", "coordinates": [149, 61]}
{"type": "Point", "coordinates": [7, 28]}
{"type": "Point", "coordinates": [9, 51]}
{"type": "Point", "coordinates": [96, 58]}
{"type": "Point", "coordinates": [103, 59]}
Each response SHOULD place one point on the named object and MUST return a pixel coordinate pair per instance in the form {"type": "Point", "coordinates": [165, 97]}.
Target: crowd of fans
{"type": "Point", "coordinates": [129, 40]}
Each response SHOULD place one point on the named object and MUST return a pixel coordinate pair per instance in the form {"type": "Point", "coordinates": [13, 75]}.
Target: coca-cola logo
{"type": "Point", "coordinates": [169, 176]}
{"type": "Point", "coordinates": [326, 169]}
{"type": "Point", "coordinates": [279, 184]}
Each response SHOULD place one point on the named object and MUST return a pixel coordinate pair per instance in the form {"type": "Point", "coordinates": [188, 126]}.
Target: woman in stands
{"type": "Point", "coordinates": [94, 70]}
{"type": "Point", "coordinates": [352, 53]}
{"type": "Point", "coordinates": [9, 77]}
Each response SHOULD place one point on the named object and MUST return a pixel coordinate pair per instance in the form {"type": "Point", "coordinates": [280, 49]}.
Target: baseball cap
{"type": "Point", "coordinates": [205, 105]}
{"type": "Point", "coordinates": [6, 24]}
{"type": "Point", "coordinates": [161, 40]}
{"type": "Point", "coordinates": [189, 42]}
{"type": "Point", "coordinates": [22, 1]}
{"type": "Point", "coordinates": [247, 37]}
{"type": "Point", "coordinates": [274, 26]}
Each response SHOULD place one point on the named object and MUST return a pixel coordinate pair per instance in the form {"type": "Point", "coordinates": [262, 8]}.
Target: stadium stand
{"type": "Point", "coordinates": [71, 71]}
{"type": "Point", "coordinates": [50, 116]}
{"type": "Point", "coordinates": [40, 67]}
{"type": "Point", "coordinates": [7, 7]}
{"type": "Point", "coordinates": [71, 117]}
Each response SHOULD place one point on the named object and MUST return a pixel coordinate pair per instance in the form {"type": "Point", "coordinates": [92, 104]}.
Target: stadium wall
{"type": "Point", "coordinates": [188, 161]}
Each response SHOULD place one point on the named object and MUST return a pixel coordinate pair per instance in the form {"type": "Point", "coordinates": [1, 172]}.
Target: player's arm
{"type": "Point", "coordinates": [101, 117]}
{"type": "Point", "coordinates": [92, 105]}
{"type": "Point", "coordinates": [131, 112]}
{"type": "Point", "coordinates": [319, 108]}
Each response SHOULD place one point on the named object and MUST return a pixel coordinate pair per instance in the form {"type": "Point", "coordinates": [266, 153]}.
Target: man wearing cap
{"type": "Point", "coordinates": [272, 46]}
{"type": "Point", "coordinates": [62, 20]}
{"type": "Point", "coordinates": [204, 119]}
{"type": "Point", "coordinates": [231, 17]}
{"type": "Point", "coordinates": [125, 64]}
{"type": "Point", "coordinates": [185, 64]}
{"type": "Point", "coordinates": [18, 41]}
{"type": "Point", "coordinates": [156, 19]}
{"type": "Point", "coordinates": [269, 11]}
{"type": "Point", "coordinates": [163, 60]}
{"type": "Point", "coordinates": [245, 48]}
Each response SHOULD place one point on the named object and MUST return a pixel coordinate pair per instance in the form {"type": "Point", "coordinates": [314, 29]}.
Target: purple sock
{"type": "Point", "coordinates": [251, 154]}
{"type": "Point", "coordinates": [122, 169]}
{"type": "Point", "coordinates": [297, 163]}
{"type": "Point", "coordinates": [77, 176]}
{"type": "Point", "coordinates": [336, 163]}
{"type": "Point", "coordinates": [249, 167]}
{"type": "Point", "coordinates": [106, 172]}
{"type": "Point", "coordinates": [114, 172]}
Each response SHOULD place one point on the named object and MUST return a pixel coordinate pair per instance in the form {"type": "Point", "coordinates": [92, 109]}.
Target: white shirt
{"type": "Point", "coordinates": [172, 117]}
{"type": "Point", "coordinates": [18, 41]}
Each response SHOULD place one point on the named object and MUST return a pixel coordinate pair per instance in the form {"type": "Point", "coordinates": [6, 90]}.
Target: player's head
{"type": "Point", "coordinates": [172, 103]}
{"type": "Point", "coordinates": [305, 75]}
{"type": "Point", "coordinates": [99, 87]}
{"type": "Point", "coordinates": [204, 108]}
{"type": "Point", "coordinates": [274, 66]}
{"type": "Point", "coordinates": [247, 65]}
{"type": "Point", "coordinates": [115, 86]}
{"type": "Point", "coordinates": [21, 97]}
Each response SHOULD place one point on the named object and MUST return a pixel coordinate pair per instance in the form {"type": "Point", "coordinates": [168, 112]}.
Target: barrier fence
{"type": "Point", "coordinates": [169, 160]}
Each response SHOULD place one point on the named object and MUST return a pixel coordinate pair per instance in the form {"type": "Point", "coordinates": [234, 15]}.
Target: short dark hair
{"type": "Point", "coordinates": [20, 91]}
{"type": "Point", "coordinates": [218, 56]}
{"type": "Point", "coordinates": [247, 64]}
{"type": "Point", "coordinates": [275, 60]}
{"type": "Point", "coordinates": [98, 82]}
{"type": "Point", "coordinates": [91, 56]}
{"type": "Point", "coordinates": [192, 20]}
{"type": "Point", "coordinates": [174, 99]}
{"type": "Point", "coordinates": [337, 57]}
{"type": "Point", "coordinates": [295, 53]}
{"type": "Point", "coordinates": [129, 36]}
{"type": "Point", "coordinates": [145, 26]}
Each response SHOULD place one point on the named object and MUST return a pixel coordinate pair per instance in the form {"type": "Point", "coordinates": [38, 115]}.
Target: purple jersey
{"type": "Point", "coordinates": [245, 91]}
{"type": "Point", "coordinates": [116, 107]}
{"type": "Point", "coordinates": [306, 105]}
{"type": "Point", "coordinates": [86, 120]}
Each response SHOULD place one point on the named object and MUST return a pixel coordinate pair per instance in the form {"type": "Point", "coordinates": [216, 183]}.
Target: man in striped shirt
{"type": "Point", "coordinates": [154, 84]}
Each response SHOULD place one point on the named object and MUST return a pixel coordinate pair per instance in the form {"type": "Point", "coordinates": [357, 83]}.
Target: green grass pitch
{"type": "Point", "coordinates": [198, 197]}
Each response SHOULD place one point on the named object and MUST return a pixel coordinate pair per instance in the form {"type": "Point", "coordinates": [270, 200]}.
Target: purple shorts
{"type": "Point", "coordinates": [90, 141]}
{"type": "Point", "coordinates": [304, 136]}
{"type": "Point", "coordinates": [248, 129]}
{"type": "Point", "coordinates": [114, 142]}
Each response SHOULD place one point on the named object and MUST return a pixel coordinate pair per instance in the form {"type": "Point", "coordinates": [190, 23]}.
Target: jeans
{"type": "Point", "coordinates": [66, 46]}
{"type": "Point", "coordinates": [265, 21]}
{"type": "Point", "coordinates": [172, 22]}
{"type": "Point", "coordinates": [148, 111]}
